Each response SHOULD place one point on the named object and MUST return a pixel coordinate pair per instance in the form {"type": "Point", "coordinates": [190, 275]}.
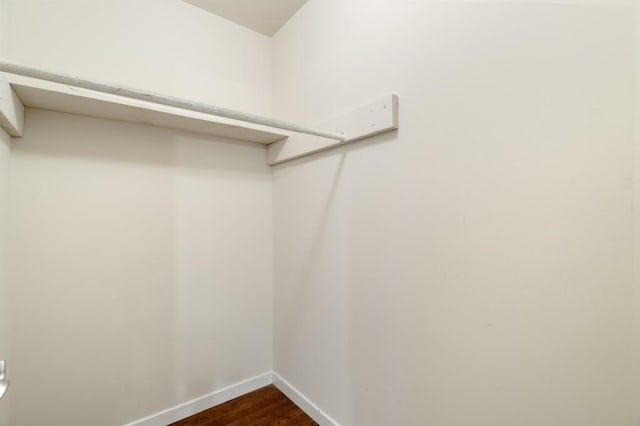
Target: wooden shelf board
{"type": "Point", "coordinates": [58, 97]}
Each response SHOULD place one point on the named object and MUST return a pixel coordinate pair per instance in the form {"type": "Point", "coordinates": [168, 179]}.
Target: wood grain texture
{"type": "Point", "coordinates": [264, 407]}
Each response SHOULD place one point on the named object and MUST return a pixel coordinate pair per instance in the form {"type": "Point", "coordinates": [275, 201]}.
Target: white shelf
{"type": "Point", "coordinates": [46, 95]}
{"type": "Point", "coordinates": [23, 86]}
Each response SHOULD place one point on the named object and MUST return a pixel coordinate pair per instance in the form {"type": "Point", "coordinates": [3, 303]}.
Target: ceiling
{"type": "Point", "coordinates": [263, 16]}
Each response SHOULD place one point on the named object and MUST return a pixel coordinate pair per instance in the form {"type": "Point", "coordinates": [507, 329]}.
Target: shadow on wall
{"type": "Point", "coordinates": [315, 242]}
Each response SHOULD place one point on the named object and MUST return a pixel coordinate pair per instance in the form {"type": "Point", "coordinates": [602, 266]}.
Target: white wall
{"type": "Point", "coordinates": [636, 299]}
{"type": "Point", "coordinates": [4, 27]}
{"type": "Point", "coordinates": [140, 269]}
{"type": "Point", "coordinates": [140, 258]}
{"type": "Point", "coordinates": [168, 46]}
{"type": "Point", "coordinates": [5, 150]}
{"type": "Point", "coordinates": [477, 266]}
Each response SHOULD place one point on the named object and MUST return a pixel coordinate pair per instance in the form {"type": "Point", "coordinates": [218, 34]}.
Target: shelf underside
{"type": "Point", "coordinates": [58, 97]}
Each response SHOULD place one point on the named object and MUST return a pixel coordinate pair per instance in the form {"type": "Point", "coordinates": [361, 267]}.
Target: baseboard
{"type": "Point", "coordinates": [205, 402]}
{"type": "Point", "coordinates": [221, 396]}
{"type": "Point", "coordinates": [303, 402]}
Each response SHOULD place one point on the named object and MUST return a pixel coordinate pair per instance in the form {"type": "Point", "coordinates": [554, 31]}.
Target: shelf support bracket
{"type": "Point", "coordinates": [11, 110]}
{"type": "Point", "coordinates": [375, 118]}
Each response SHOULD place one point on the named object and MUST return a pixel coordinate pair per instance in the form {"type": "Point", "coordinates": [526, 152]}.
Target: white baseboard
{"type": "Point", "coordinates": [303, 402]}
{"type": "Point", "coordinates": [221, 396]}
{"type": "Point", "coordinates": [205, 402]}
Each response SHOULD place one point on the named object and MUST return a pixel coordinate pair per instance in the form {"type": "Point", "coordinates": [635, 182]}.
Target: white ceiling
{"type": "Point", "coordinates": [264, 16]}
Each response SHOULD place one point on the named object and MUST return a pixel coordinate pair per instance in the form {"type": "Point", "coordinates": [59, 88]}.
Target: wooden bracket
{"type": "Point", "coordinates": [11, 109]}
{"type": "Point", "coordinates": [369, 120]}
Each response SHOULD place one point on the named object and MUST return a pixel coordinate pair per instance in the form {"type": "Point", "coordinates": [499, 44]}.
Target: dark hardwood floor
{"type": "Point", "coordinates": [264, 407]}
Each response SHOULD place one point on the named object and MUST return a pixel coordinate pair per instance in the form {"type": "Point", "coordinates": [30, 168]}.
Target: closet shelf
{"type": "Point", "coordinates": [24, 86]}
{"type": "Point", "coordinates": [46, 95]}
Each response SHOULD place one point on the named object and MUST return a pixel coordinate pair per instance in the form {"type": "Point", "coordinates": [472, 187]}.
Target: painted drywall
{"type": "Point", "coordinates": [140, 258]}
{"type": "Point", "coordinates": [4, 27]}
{"type": "Point", "coordinates": [140, 266]}
{"type": "Point", "coordinates": [636, 298]}
{"type": "Point", "coordinates": [5, 151]}
{"type": "Point", "coordinates": [168, 46]}
{"type": "Point", "coordinates": [476, 267]}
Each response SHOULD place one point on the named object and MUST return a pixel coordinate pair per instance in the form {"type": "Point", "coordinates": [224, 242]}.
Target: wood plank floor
{"type": "Point", "coordinates": [264, 407]}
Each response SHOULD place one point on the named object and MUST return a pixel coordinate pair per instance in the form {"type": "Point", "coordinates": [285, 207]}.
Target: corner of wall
{"type": "Point", "coordinates": [635, 402]}
{"type": "Point", "coordinates": [5, 148]}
